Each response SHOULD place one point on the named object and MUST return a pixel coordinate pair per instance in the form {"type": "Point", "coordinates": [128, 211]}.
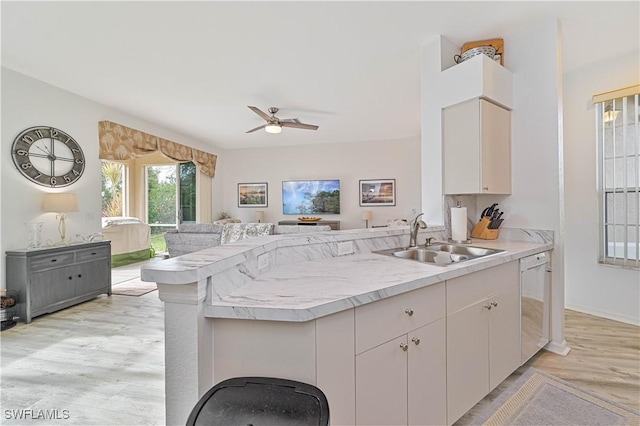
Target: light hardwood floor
{"type": "Point", "coordinates": [103, 362]}
{"type": "Point", "coordinates": [604, 358]}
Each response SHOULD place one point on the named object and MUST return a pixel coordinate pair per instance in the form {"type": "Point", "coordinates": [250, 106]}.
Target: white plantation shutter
{"type": "Point", "coordinates": [618, 130]}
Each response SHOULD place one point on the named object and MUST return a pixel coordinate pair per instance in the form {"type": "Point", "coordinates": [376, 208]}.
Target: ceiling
{"type": "Point", "coordinates": [350, 67]}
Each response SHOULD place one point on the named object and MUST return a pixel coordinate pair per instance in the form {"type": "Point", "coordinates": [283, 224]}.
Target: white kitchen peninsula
{"type": "Point", "coordinates": [287, 306]}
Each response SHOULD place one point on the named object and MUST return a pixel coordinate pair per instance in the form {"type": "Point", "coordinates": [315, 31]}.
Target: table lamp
{"type": "Point", "coordinates": [367, 215]}
{"type": "Point", "coordinates": [61, 203]}
{"type": "Point", "coordinates": [258, 216]}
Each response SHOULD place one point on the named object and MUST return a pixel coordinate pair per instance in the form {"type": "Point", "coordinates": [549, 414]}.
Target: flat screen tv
{"type": "Point", "coordinates": [307, 197]}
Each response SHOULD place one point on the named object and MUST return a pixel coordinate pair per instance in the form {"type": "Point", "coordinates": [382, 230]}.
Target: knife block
{"type": "Point", "coordinates": [482, 231]}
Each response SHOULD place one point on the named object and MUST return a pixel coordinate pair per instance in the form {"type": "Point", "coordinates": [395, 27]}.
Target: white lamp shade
{"type": "Point", "coordinates": [258, 215]}
{"type": "Point", "coordinates": [60, 202]}
{"type": "Point", "coordinates": [367, 215]}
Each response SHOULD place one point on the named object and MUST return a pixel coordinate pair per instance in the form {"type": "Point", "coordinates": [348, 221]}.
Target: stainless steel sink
{"type": "Point", "coordinates": [442, 254]}
{"type": "Point", "coordinates": [463, 249]}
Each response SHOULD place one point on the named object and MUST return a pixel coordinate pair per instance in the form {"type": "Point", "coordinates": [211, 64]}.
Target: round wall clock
{"type": "Point", "coordinates": [48, 156]}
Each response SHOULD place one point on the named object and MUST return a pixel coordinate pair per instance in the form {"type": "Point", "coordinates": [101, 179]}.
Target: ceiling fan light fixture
{"type": "Point", "coordinates": [273, 128]}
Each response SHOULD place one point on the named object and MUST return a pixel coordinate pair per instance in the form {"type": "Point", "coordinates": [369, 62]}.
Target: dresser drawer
{"type": "Point", "coordinates": [51, 261]}
{"type": "Point", "coordinates": [93, 253]}
{"type": "Point", "coordinates": [381, 321]}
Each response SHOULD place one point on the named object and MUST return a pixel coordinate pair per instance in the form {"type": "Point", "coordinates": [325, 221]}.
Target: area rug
{"type": "Point", "coordinates": [538, 398]}
{"type": "Point", "coordinates": [134, 287]}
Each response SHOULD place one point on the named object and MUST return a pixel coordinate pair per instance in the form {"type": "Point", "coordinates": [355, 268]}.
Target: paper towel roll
{"type": "Point", "coordinates": [459, 223]}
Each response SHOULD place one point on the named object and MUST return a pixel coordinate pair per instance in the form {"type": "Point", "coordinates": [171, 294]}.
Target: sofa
{"type": "Point", "coordinates": [191, 237]}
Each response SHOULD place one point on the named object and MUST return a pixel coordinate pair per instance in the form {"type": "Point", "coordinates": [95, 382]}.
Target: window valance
{"type": "Point", "coordinates": [614, 94]}
{"type": "Point", "coordinates": [118, 143]}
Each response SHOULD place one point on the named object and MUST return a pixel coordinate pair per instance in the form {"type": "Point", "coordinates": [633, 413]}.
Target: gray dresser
{"type": "Point", "coordinates": [54, 278]}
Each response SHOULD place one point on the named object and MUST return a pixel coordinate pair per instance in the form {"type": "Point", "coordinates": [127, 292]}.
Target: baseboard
{"type": "Point", "coordinates": [558, 348]}
{"type": "Point", "coordinates": [604, 314]}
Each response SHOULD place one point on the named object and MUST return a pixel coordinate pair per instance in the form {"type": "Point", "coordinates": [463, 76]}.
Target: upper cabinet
{"type": "Point", "coordinates": [476, 127]}
{"type": "Point", "coordinates": [476, 148]}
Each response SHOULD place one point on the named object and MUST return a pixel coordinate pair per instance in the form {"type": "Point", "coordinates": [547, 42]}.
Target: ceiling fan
{"type": "Point", "coordinates": [275, 125]}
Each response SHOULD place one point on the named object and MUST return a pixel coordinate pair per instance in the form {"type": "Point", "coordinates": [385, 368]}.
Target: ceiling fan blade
{"type": "Point", "coordinates": [290, 120]}
{"type": "Point", "coordinates": [260, 113]}
{"type": "Point", "coordinates": [298, 125]}
{"type": "Point", "coordinates": [257, 128]}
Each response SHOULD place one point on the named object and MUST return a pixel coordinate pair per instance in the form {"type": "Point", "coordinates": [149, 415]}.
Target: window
{"type": "Point", "coordinates": [617, 116]}
{"type": "Point", "coordinates": [170, 199]}
{"type": "Point", "coordinates": [113, 189]}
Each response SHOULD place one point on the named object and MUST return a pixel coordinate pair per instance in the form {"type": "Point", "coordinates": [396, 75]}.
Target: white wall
{"type": "Point", "coordinates": [607, 291]}
{"type": "Point", "coordinates": [27, 102]}
{"type": "Point", "coordinates": [397, 159]}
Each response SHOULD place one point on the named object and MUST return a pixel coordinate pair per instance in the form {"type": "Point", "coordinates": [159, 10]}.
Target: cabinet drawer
{"type": "Point", "coordinates": [51, 261]}
{"type": "Point", "coordinates": [469, 289]}
{"type": "Point", "coordinates": [381, 321]}
{"type": "Point", "coordinates": [93, 253]}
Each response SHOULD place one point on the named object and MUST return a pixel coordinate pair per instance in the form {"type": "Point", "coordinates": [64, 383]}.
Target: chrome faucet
{"type": "Point", "coordinates": [414, 227]}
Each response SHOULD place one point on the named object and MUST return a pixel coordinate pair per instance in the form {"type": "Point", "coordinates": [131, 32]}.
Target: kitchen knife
{"type": "Point", "coordinates": [488, 211]}
{"type": "Point", "coordinates": [492, 220]}
{"type": "Point", "coordinates": [484, 212]}
{"type": "Point", "coordinates": [495, 220]}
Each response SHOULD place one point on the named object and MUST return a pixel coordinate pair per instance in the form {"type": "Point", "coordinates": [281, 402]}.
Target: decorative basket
{"type": "Point", "coordinates": [8, 309]}
{"type": "Point", "coordinates": [490, 51]}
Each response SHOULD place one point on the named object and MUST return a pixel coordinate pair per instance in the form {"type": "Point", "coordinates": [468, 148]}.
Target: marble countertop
{"type": "Point", "coordinates": [308, 290]}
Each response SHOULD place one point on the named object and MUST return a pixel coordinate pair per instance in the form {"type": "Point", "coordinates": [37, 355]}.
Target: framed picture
{"type": "Point", "coordinates": [379, 192]}
{"type": "Point", "coordinates": [252, 194]}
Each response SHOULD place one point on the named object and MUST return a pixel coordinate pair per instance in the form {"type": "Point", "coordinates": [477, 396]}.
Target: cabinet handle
{"type": "Point", "coordinates": [494, 304]}
{"type": "Point", "coordinates": [486, 188]}
{"type": "Point", "coordinates": [416, 341]}
{"type": "Point", "coordinates": [79, 275]}
{"type": "Point", "coordinates": [54, 260]}
{"type": "Point", "coordinates": [93, 254]}
{"type": "Point", "coordinates": [404, 346]}
{"type": "Point", "coordinates": [409, 311]}
{"type": "Point", "coordinates": [487, 307]}
{"type": "Point", "coordinates": [70, 278]}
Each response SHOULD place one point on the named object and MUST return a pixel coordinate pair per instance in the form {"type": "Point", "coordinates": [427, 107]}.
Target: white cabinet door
{"type": "Point", "coordinates": [496, 149]}
{"type": "Point", "coordinates": [381, 384]}
{"type": "Point", "coordinates": [504, 336]}
{"type": "Point", "coordinates": [476, 148]}
{"type": "Point", "coordinates": [467, 359]}
{"type": "Point", "coordinates": [461, 148]}
{"type": "Point", "coordinates": [427, 375]}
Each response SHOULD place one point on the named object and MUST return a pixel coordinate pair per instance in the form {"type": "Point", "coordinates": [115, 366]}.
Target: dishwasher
{"type": "Point", "coordinates": [535, 289]}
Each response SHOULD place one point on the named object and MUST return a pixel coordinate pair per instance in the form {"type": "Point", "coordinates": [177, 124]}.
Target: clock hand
{"type": "Point", "coordinates": [39, 155]}
{"type": "Point", "coordinates": [45, 151]}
